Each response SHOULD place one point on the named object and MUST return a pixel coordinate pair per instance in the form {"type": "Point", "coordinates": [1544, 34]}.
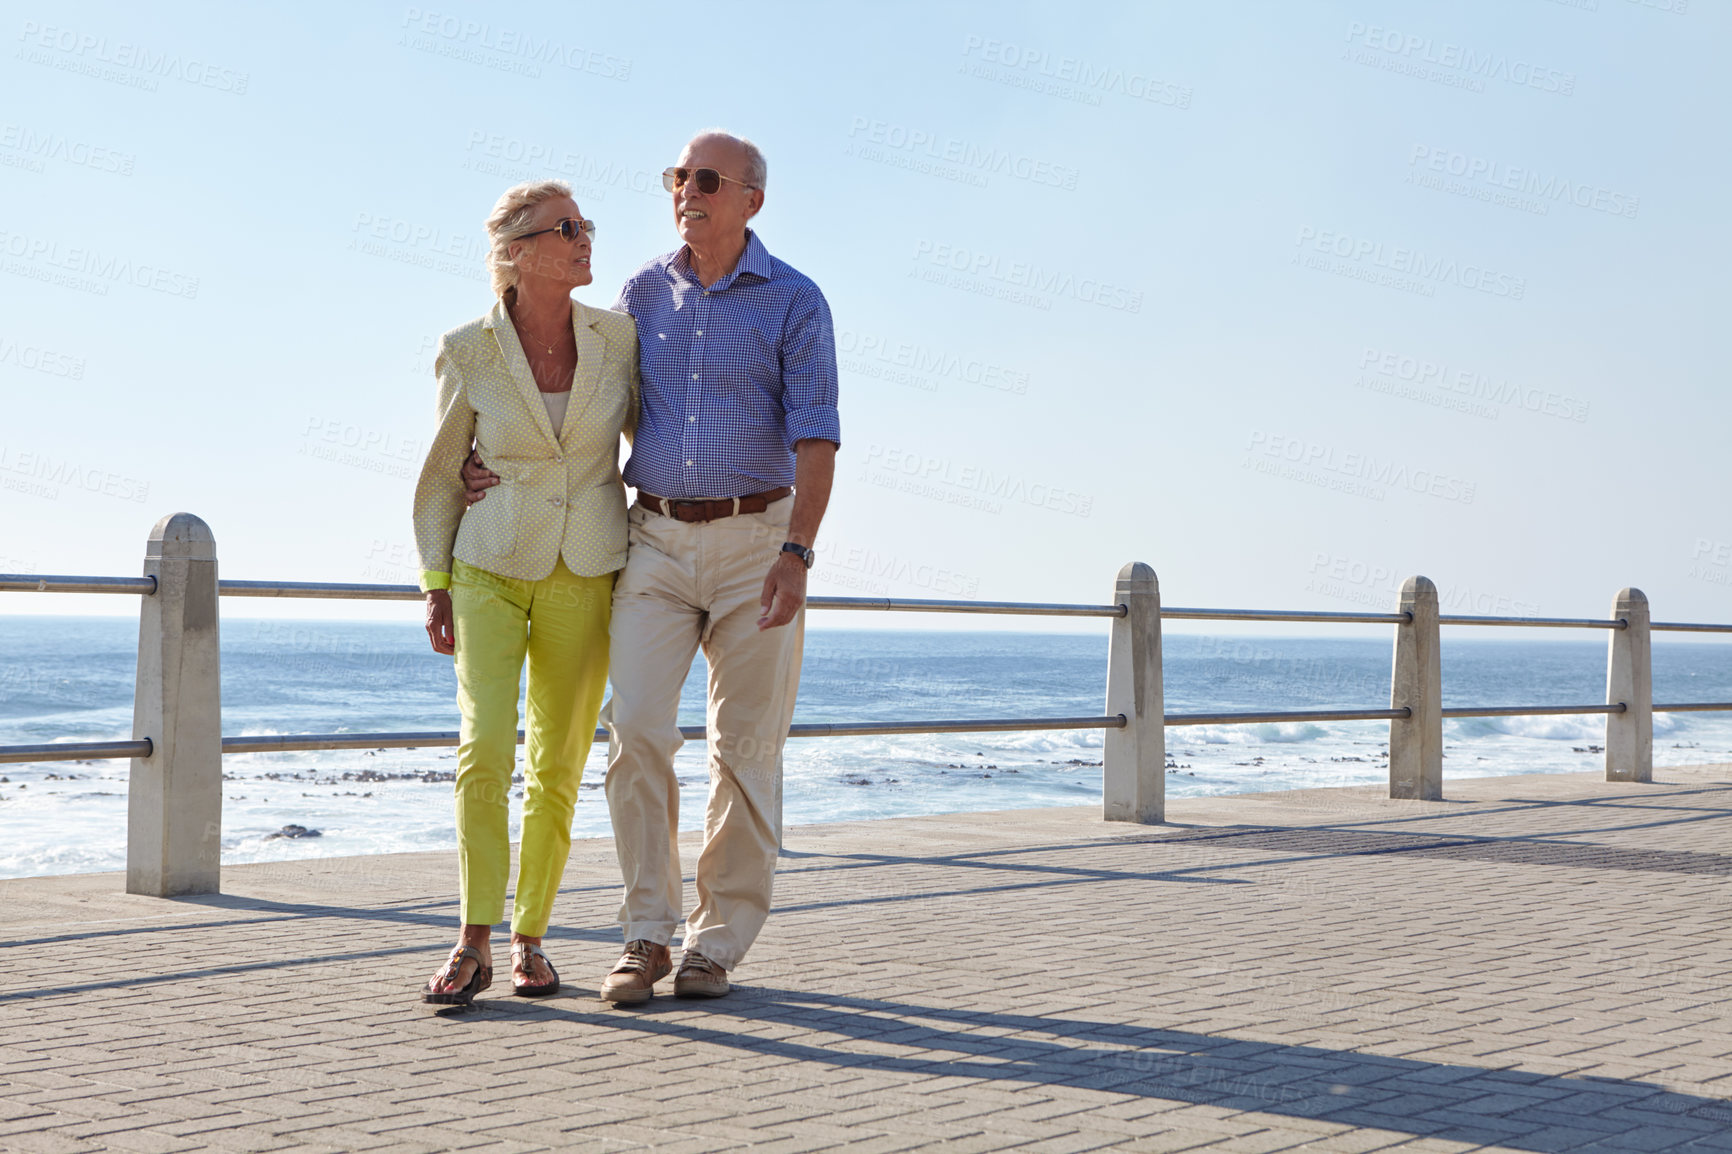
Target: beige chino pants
{"type": "Point", "coordinates": [686, 585]}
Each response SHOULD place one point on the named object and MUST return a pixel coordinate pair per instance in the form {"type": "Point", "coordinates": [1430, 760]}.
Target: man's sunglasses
{"type": "Point", "coordinates": [708, 180]}
{"type": "Point", "coordinates": [567, 229]}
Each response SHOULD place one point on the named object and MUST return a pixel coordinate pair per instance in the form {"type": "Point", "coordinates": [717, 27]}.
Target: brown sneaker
{"type": "Point", "coordinates": [700, 978]}
{"type": "Point", "coordinates": [634, 976]}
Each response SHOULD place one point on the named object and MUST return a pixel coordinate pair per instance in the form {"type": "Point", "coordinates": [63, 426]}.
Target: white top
{"type": "Point", "coordinates": [556, 405]}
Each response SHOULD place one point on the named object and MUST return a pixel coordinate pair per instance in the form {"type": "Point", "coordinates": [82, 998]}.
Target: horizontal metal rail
{"type": "Point", "coordinates": [435, 739]}
{"type": "Point", "coordinates": [1177, 614]}
{"type": "Point", "coordinates": [44, 583]}
{"type": "Point", "coordinates": [304, 742]}
{"type": "Point", "coordinates": [1532, 710]}
{"type": "Point", "coordinates": [1290, 715]}
{"type": "Point", "coordinates": [916, 605]}
{"type": "Point", "coordinates": [336, 590]}
{"type": "Point", "coordinates": [75, 751]}
{"type": "Point", "coordinates": [991, 725]}
{"type": "Point", "coordinates": [322, 590]}
{"type": "Point", "coordinates": [1545, 622]}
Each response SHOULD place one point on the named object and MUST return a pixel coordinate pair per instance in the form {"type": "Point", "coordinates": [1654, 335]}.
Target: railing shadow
{"type": "Point", "coordinates": [1448, 1102]}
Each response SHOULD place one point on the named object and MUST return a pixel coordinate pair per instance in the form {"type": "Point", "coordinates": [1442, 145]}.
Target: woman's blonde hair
{"type": "Point", "coordinates": [510, 220]}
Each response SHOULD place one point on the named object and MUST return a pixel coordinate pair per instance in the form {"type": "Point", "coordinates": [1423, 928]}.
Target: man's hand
{"type": "Point", "coordinates": [441, 630]}
{"type": "Point", "coordinates": [784, 591]}
{"type": "Point", "coordinates": [477, 478]}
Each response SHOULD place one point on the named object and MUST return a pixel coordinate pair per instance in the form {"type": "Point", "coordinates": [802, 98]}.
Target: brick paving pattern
{"type": "Point", "coordinates": [1535, 964]}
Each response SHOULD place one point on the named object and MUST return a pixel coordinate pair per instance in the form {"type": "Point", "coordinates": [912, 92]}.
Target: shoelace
{"type": "Point", "coordinates": [696, 961]}
{"type": "Point", "coordinates": [635, 960]}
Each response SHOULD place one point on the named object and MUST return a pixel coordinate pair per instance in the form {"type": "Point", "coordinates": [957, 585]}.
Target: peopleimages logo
{"type": "Point", "coordinates": [1067, 77]}
{"type": "Point", "coordinates": [1361, 473]}
{"type": "Point", "coordinates": [43, 146]}
{"type": "Point", "coordinates": [41, 360]}
{"type": "Point", "coordinates": [925, 474]}
{"type": "Point", "coordinates": [84, 52]}
{"type": "Point", "coordinates": [1026, 276]}
{"type": "Point", "coordinates": [1469, 385]}
{"type": "Point", "coordinates": [104, 268]}
{"type": "Point", "coordinates": [917, 145]}
{"type": "Point", "coordinates": [1712, 561]}
{"type": "Point", "coordinates": [1488, 178]}
{"type": "Point", "coordinates": [1407, 262]}
{"type": "Point", "coordinates": [1470, 63]}
{"type": "Point", "coordinates": [877, 570]}
{"type": "Point", "coordinates": [65, 471]}
{"type": "Point", "coordinates": [877, 356]}
{"type": "Point", "coordinates": [1351, 579]}
{"type": "Point", "coordinates": [462, 37]}
{"type": "Point", "coordinates": [528, 158]}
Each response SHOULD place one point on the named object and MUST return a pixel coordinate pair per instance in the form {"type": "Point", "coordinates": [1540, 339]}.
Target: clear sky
{"type": "Point", "coordinates": [1289, 300]}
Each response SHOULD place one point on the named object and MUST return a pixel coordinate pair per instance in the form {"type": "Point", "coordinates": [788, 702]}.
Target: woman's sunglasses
{"type": "Point", "coordinates": [708, 180]}
{"type": "Point", "coordinates": [567, 229]}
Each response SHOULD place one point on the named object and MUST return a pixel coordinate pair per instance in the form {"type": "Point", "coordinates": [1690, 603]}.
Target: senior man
{"type": "Point", "coordinates": [733, 460]}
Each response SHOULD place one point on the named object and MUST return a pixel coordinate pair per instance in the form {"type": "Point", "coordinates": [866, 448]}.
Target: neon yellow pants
{"type": "Point", "coordinates": [561, 624]}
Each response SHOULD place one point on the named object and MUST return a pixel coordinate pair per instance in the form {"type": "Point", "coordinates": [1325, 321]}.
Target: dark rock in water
{"type": "Point", "coordinates": [294, 831]}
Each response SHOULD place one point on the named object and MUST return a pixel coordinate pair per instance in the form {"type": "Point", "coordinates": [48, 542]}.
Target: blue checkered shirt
{"type": "Point", "coordinates": [733, 375]}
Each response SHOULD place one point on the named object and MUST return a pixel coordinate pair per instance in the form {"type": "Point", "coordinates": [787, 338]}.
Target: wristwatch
{"type": "Point", "coordinates": [801, 552]}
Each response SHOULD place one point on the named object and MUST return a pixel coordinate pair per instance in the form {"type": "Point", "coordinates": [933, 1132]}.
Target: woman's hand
{"type": "Point", "coordinates": [441, 630]}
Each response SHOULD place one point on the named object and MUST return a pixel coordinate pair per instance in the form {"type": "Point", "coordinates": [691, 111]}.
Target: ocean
{"type": "Point", "coordinates": [71, 679]}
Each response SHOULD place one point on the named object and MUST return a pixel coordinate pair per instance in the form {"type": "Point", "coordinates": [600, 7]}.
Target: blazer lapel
{"type": "Point", "coordinates": [591, 352]}
{"type": "Point", "coordinates": [511, 351]}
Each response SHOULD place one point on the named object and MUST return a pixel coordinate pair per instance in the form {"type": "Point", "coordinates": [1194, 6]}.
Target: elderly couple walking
{"type": "Point", "coordinates": [719, 368]}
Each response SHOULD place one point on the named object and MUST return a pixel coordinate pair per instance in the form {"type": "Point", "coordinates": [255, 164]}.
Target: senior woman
{"type": "Point", "coordinates": [542, 386]}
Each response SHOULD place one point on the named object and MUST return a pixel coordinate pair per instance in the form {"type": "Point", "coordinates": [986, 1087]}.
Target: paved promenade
{"type": "Point", "coordinates": [1536, 964]}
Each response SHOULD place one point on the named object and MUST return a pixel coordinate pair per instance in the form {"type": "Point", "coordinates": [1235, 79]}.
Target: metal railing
{"type": "Point", "coordinates": [174, 822]}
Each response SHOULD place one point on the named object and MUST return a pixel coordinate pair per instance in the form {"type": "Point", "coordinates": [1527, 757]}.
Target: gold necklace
{"type": "Point", "coordinates": [538, 340]}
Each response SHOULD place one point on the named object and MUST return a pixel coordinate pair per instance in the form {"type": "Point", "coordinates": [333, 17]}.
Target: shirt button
{"type": "Point", "coordinates": [694, 376]}
{"type": "Point", "coordinates": [700, 332]}
{"type": "Point", "coordinates": [688, 464]}
{"type": "Point", "coordinates": [558, 500]}
{"type": "Point", "coordinates": [691, 420]}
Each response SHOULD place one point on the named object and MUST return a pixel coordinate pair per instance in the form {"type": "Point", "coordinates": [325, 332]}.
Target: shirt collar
{"type": "Point", "coordinates": [755, 261]}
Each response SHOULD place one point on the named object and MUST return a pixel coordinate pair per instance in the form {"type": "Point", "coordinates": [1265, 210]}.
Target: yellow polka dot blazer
{"type": "Point", "coordinates": [556, 497]}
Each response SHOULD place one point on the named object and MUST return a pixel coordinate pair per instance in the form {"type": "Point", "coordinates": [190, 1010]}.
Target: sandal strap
{"type": "Point", "coordinates": [526, 949]}
{"type": "Point", "coordinates": [454, 966]}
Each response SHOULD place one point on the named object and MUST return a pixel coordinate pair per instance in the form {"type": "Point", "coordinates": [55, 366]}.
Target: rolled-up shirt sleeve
{"type": "Point", "coordinates": [809, 385]}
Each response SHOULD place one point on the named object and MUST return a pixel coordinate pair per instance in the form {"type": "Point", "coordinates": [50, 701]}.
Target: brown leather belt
{"type": "Point", "coordinates": [713, 509]}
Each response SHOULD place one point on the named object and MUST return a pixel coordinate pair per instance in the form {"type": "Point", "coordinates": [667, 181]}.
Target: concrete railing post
{"type": "Point", "coordinates": [1134, 778]}
{"type": "Point", "coordinates": [1630, 679]}
{"type": "Point", "coordinates": [1416, 742]}
{"type": "Point", "coordinates": [174, 797]}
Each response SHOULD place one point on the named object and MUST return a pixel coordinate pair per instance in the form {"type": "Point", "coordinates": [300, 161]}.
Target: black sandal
{"type": "Point", "coordinates": [521, 952]}
{"type": "Point", "coordinates": [478, 981]}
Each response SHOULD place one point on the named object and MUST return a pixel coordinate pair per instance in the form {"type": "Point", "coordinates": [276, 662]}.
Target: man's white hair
{"type": "Point", "coordinates": [756, 170]}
